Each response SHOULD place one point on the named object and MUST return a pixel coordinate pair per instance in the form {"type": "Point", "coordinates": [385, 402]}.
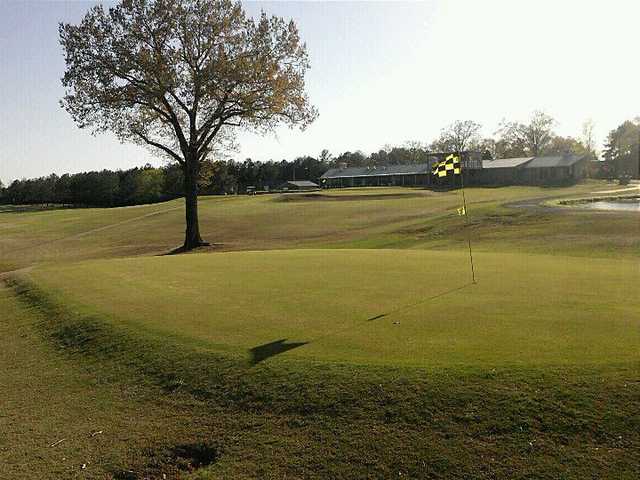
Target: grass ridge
{"type": "Point", "coordinates": [393, 395]}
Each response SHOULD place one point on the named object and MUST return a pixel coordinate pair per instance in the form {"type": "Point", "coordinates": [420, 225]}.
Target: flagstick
{"type": "Point", "coordinates": [466, 219]}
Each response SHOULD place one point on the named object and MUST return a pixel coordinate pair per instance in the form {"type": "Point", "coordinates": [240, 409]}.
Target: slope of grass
{"type": "Point", "coordinates": [351, 217]}
{"type": "Point", "coordinates": [372, 306]}
{"type": "Point", "coordinates": [297, 419]}
{"type": "Point", "coordinates": [59, 415]}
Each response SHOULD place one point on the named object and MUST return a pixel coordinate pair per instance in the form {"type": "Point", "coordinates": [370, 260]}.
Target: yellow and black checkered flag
{"type": "Point", "coordinates": [449, 166]}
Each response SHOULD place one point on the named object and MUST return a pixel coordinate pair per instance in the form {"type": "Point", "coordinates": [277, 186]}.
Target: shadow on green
{"type": "Point", "coordinates": [268, 350]}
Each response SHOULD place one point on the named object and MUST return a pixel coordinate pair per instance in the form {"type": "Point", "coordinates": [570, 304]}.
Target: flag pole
{"type": "Point", "coordinates": [466, 219]}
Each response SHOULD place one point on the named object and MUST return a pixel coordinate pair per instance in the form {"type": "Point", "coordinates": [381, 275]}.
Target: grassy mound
{"type": "Point", "coordinates": [391, 307]}
{"type": "Point", "coordinates": [345, 421]}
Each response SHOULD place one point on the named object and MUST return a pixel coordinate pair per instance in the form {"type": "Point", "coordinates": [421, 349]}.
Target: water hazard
{"type": "Point", "coordinates": [624, 205]}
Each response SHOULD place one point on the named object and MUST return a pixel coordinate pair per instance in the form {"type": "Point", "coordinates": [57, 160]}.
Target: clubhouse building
{"type": "Point", "coordinates": [411, 175]}
{"type": "Point", "coordinates": [550, 170]}
{"type": "Point", "coordinates": [390, 175]}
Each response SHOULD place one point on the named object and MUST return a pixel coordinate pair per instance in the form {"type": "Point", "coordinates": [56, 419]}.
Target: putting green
{"type": "Point", "coordinates": [401, 307]}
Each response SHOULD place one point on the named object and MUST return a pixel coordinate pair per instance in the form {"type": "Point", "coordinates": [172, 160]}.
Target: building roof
{"type": "Point", "coordinates": [302, 183]}
{"type": "Point", "coordinates": [555, 161]}
{"type": "Point", "coordinates": [425, 168]}
{"type": "Point", "coordinates": [413, 169]}
{"type": "Point", "coordinates": [506, 162]}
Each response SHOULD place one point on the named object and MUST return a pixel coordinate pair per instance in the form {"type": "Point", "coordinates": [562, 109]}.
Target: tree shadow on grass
{"type": "Point", "coordinates": [205, 247]}
{"type": "Point", "coordinates": [262, 352]}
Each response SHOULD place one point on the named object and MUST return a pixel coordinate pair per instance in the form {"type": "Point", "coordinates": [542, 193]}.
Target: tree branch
{"type": "Point", "coordinates": [159, 145]}
{"type": "Point", "coordinates": [175, 123]}
{"type": "Point", "coordinates": [203, 147]}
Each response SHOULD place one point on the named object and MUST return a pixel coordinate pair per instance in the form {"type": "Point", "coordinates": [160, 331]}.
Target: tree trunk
{"type": "Point", "coordinates": [192, 237]}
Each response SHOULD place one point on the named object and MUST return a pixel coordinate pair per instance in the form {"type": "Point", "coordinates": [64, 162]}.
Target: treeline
{"type": "Point", "coordinates": [149, 184]}
{"type": "Point", "coordinates": [98, 189]}
{"type": "Point", "coordinates": [106, 188]}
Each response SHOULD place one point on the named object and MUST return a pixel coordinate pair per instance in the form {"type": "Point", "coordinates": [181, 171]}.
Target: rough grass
{"type": "Point", "coordinates": [365, 217]}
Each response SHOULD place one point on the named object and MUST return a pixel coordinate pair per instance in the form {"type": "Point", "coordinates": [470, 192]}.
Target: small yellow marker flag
{"type": "Point", "coordinates": [462, 211]}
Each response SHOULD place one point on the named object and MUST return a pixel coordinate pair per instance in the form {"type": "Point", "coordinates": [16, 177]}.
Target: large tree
{"type": "Point", "coordinates": [3, 192]}
{"type": "Point", "coordinates": [622, 149]}
{"type": "Point", "coordinates": [178, 75]}
{"type": "Point", "coordinates": [565, 146]}
{"type": "Point", "coordinates": [526, 139]}
{"type": "Point", "coordinates": [460, 136]}
{"type": "Point", "coordinates": [588, 139]}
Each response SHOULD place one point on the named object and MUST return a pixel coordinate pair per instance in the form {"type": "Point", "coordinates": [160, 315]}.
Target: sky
{"type": "Point", "coordinates": [382, 73]}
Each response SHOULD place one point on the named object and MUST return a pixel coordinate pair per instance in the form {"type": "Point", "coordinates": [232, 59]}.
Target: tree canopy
{"type": "Point", "coordinates": [622, 148]}
{"type": "Point", "coordinates": [459, 136]}
{"type": "Point", "coordinates": [526, 139]}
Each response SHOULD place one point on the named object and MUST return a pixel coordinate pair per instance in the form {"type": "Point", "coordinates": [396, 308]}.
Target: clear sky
{"type": "Point", "coordinates": [382, 73]}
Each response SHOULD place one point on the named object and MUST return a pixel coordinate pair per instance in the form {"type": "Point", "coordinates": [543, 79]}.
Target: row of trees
{"type": "Point", "coordinates": [148, 184]}
{"type": "Point", "coordinates": [535, 137]}
{"type": "Point", "coordinates": [105, 188]}
{"type": "Point", "coordinates": [108, 188]}
{"type": "Point", "coordinates": [516, 139]}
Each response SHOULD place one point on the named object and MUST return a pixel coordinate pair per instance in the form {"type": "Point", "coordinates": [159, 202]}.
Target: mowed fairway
{"type": "Point", "coordinates": [397, 307]}
{"type": "Point", "coordinates": [349, 218]}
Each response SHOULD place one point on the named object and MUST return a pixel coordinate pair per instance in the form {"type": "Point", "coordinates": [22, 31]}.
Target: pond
{"type": "Point", "coordinates": [624, 205]}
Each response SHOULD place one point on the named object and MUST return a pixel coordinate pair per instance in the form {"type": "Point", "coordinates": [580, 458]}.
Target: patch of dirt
{"type": "Point", "coordinates": [8, 273]}
{"type": "Point", "coordinates": [452, 227]}
{"type": "Point", "coordinates": [31, 208]}
{"type": "Point", "coordinates": [172, 462]}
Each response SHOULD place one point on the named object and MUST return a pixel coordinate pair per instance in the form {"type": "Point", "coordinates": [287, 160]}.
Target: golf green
{"type": "Point", "coordinates": [388, 307]}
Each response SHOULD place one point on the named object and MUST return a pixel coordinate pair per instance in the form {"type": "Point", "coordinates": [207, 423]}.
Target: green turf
{"type": "Point", "coordinates": [524, 310]}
